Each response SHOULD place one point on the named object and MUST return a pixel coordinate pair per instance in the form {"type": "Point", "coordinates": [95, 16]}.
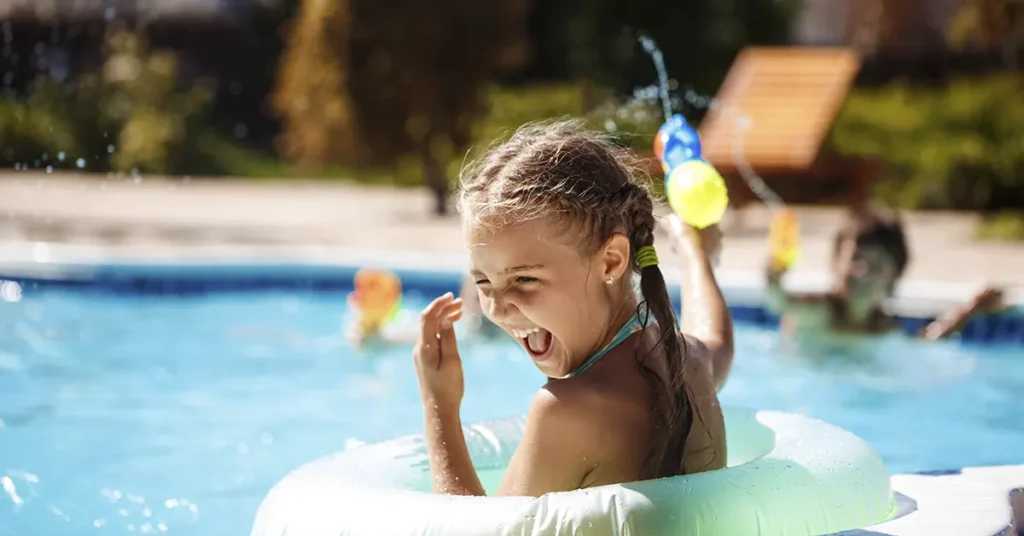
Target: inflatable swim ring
{"type": "Point", "coordinates": [787, 474]}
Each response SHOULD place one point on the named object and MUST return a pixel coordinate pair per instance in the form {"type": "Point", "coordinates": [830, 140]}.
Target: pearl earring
{"type": "Point", "coordinates": [609, 281]}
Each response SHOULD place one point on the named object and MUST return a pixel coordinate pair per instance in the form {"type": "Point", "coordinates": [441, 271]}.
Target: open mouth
{"type": "Point", "coordinates": [537, 341]}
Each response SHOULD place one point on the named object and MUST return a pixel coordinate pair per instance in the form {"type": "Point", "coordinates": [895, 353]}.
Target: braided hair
{"type": "Point", "coordinates": [560, 171]}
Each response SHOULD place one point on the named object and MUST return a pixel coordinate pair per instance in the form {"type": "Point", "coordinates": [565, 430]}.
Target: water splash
{"type": "Point", "coordinates": [659, 64]}
{"type": "Point", "coordinates": [744, 121]}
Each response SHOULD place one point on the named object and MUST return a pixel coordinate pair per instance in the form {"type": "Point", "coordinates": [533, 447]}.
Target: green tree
{"type": "Point", "coordinates": [365, 82]}
{"type": "Point", "coordinates": [130, 113]}
{"type": "Point", "coordinates": [954, 147]}
{"type": "Point", "coordinates": [597, 39]}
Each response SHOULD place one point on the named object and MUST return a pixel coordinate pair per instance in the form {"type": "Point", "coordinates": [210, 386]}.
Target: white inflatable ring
{"type": "Point", "coordinates": [787, 474]}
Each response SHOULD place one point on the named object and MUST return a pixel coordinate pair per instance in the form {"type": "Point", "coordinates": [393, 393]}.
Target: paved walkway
{"type": "Point", "coordinates": [209, 218]}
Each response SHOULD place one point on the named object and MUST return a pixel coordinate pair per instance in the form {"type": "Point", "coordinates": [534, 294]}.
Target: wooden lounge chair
{"type": "Point", "coordinates": [774, 110]}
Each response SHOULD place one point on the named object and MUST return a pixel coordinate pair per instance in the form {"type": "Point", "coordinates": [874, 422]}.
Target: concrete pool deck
{"type": "Point", "coordinates": [975, 500]}
{"type": "Point", "coordinates": [222, 219]}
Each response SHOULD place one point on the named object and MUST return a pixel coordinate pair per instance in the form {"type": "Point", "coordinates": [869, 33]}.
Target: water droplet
{"type": "Point", "coordinates": [80, 163]}
{"type": "Point", "coordinates": [49, 169]}
{"type": "Point", "coordinates": [12, 493]}
{"type": "Point", "coordinates": [110, 149]}
{"type": "Point", "coordinates": [61, 156]}
{"type": "Point", "coordinates": [109, 14]}
{"type": "Point", "coordinates": [99, 522]}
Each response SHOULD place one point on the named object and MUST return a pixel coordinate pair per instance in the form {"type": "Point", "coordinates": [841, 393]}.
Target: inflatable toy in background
{"type": "Point", "coordinates": [784, 239]}
{"type": "Point", "coordinates": [376, 299]}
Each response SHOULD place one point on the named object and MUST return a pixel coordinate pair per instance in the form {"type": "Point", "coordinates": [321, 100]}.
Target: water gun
{"type": "Point", "coordinates": [377, 298]}
{"type": "Point", "coordinates": [784, 239]}
{"type": "Point", "coordinates": [695, 189]}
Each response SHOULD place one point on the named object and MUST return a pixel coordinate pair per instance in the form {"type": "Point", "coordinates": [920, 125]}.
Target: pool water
{"type": "Point", "coordinates": [127, 415]}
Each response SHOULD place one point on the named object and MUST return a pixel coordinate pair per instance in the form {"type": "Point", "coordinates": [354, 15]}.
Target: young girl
{"type": "Point", "coordinates": [559, 235]}
{"type": "Point", "coordinates": [869, 256]}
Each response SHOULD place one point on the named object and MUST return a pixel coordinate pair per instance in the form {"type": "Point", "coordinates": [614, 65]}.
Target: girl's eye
{"type": "Point", "coordinates": [525, 279]}
{"type": "Point", "coordinates": [481, 282]}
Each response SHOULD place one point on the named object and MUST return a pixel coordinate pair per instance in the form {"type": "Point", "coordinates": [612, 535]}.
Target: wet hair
{"type": "Point", "coordinates": [560, 171]}
{"type": "Point", "coordinates": [877, 226]}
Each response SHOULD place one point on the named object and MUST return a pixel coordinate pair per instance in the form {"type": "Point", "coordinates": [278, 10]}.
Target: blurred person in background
{"type": "Point", "coordinates": [869, 256]}
{"type": "Point", "coordinates": [401, 328]}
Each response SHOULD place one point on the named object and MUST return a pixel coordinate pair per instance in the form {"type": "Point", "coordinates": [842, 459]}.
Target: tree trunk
{"type": "Point", "coordinates": [433, 174]}
{"type": "Point", "coordinates": [1013, 39]}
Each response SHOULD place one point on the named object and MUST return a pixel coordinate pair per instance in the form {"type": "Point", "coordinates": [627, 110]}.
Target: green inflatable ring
{"type": "Point", "coordinates": [787, 474]}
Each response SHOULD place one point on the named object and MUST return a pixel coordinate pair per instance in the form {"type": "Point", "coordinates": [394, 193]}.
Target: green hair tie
{"type": "Point", "coordinates": [646, 256]}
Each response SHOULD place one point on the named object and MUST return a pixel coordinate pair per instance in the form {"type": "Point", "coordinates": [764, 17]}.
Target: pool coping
{"type": "Point", "coordinates": [59, 261]}
{"type": "Point", "coordinates": [983, 501]}
{"type": "Point", "coordinates": [176, 272]}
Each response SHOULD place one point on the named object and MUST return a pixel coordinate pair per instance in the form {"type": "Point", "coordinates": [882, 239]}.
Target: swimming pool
{"type": "Point", "coordinates": [149, 412]}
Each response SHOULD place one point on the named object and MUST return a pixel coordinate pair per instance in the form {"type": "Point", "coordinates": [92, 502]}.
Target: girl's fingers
{"type": "Point", "coordinates": [430, 316]}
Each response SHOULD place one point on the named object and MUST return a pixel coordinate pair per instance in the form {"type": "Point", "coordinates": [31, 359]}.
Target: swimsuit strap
{"type": "Point", "coordinates": [626, 331]}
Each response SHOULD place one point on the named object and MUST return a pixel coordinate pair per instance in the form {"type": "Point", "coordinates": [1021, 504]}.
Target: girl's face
{"type": "Point", "coordinates": [538, 288]}
{"type": "Point", "coordinates": [865, 273]}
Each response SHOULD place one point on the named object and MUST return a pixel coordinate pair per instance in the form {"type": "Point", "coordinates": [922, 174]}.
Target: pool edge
{"type": "Point", "coordinates": [970, 501]}
{"type": "Point", "coordinates": [62, 261]}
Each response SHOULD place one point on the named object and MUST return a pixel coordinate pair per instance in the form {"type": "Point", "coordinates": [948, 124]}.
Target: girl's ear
{"type": "Point", "coordinates": [614, 257]}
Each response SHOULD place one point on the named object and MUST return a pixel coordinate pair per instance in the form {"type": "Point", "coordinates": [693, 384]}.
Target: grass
{"type": "Point", "coordinates": [1003, 227]}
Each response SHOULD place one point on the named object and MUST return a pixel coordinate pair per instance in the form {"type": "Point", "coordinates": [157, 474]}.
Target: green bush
{"type": "Point", "coordinates": [128, 116]}
{"type": "Point", "coordinates": [957, 147]}
{"type": "Point", "coordinates": [1002, 226]}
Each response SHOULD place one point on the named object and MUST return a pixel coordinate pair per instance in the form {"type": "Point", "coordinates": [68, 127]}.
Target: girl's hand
{"type": "Point", "coordinates": [436, 355]}
{"type": "Point", "coordinates": [690, 239]}
{"type": "Point", "coordinates": [988, 300]}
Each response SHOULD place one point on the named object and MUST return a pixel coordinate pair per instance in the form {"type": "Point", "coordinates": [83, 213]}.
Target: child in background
{"type": "Point", "coordinates": [869, 256]}
{"type": "Point", "coordinates": [375, 323]}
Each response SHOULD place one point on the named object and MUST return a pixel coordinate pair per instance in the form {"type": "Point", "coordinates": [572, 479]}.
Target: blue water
{"type": "Point", "coordinates": [126, 415]}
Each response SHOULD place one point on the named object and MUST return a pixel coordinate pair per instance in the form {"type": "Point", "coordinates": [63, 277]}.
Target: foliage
{"type": "Point", "coordinates": [127, 116]}
{"type": "Point", "coordinates": [957, 147]}
{"type": "Point", "coordinates": [988, 24]}
{"type": "Point", "coordinates": [369, 82]}
{"type": "Point", "coordinates": [597, 39]}
{"type": "Point", "coordinates": [1003, 226]}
